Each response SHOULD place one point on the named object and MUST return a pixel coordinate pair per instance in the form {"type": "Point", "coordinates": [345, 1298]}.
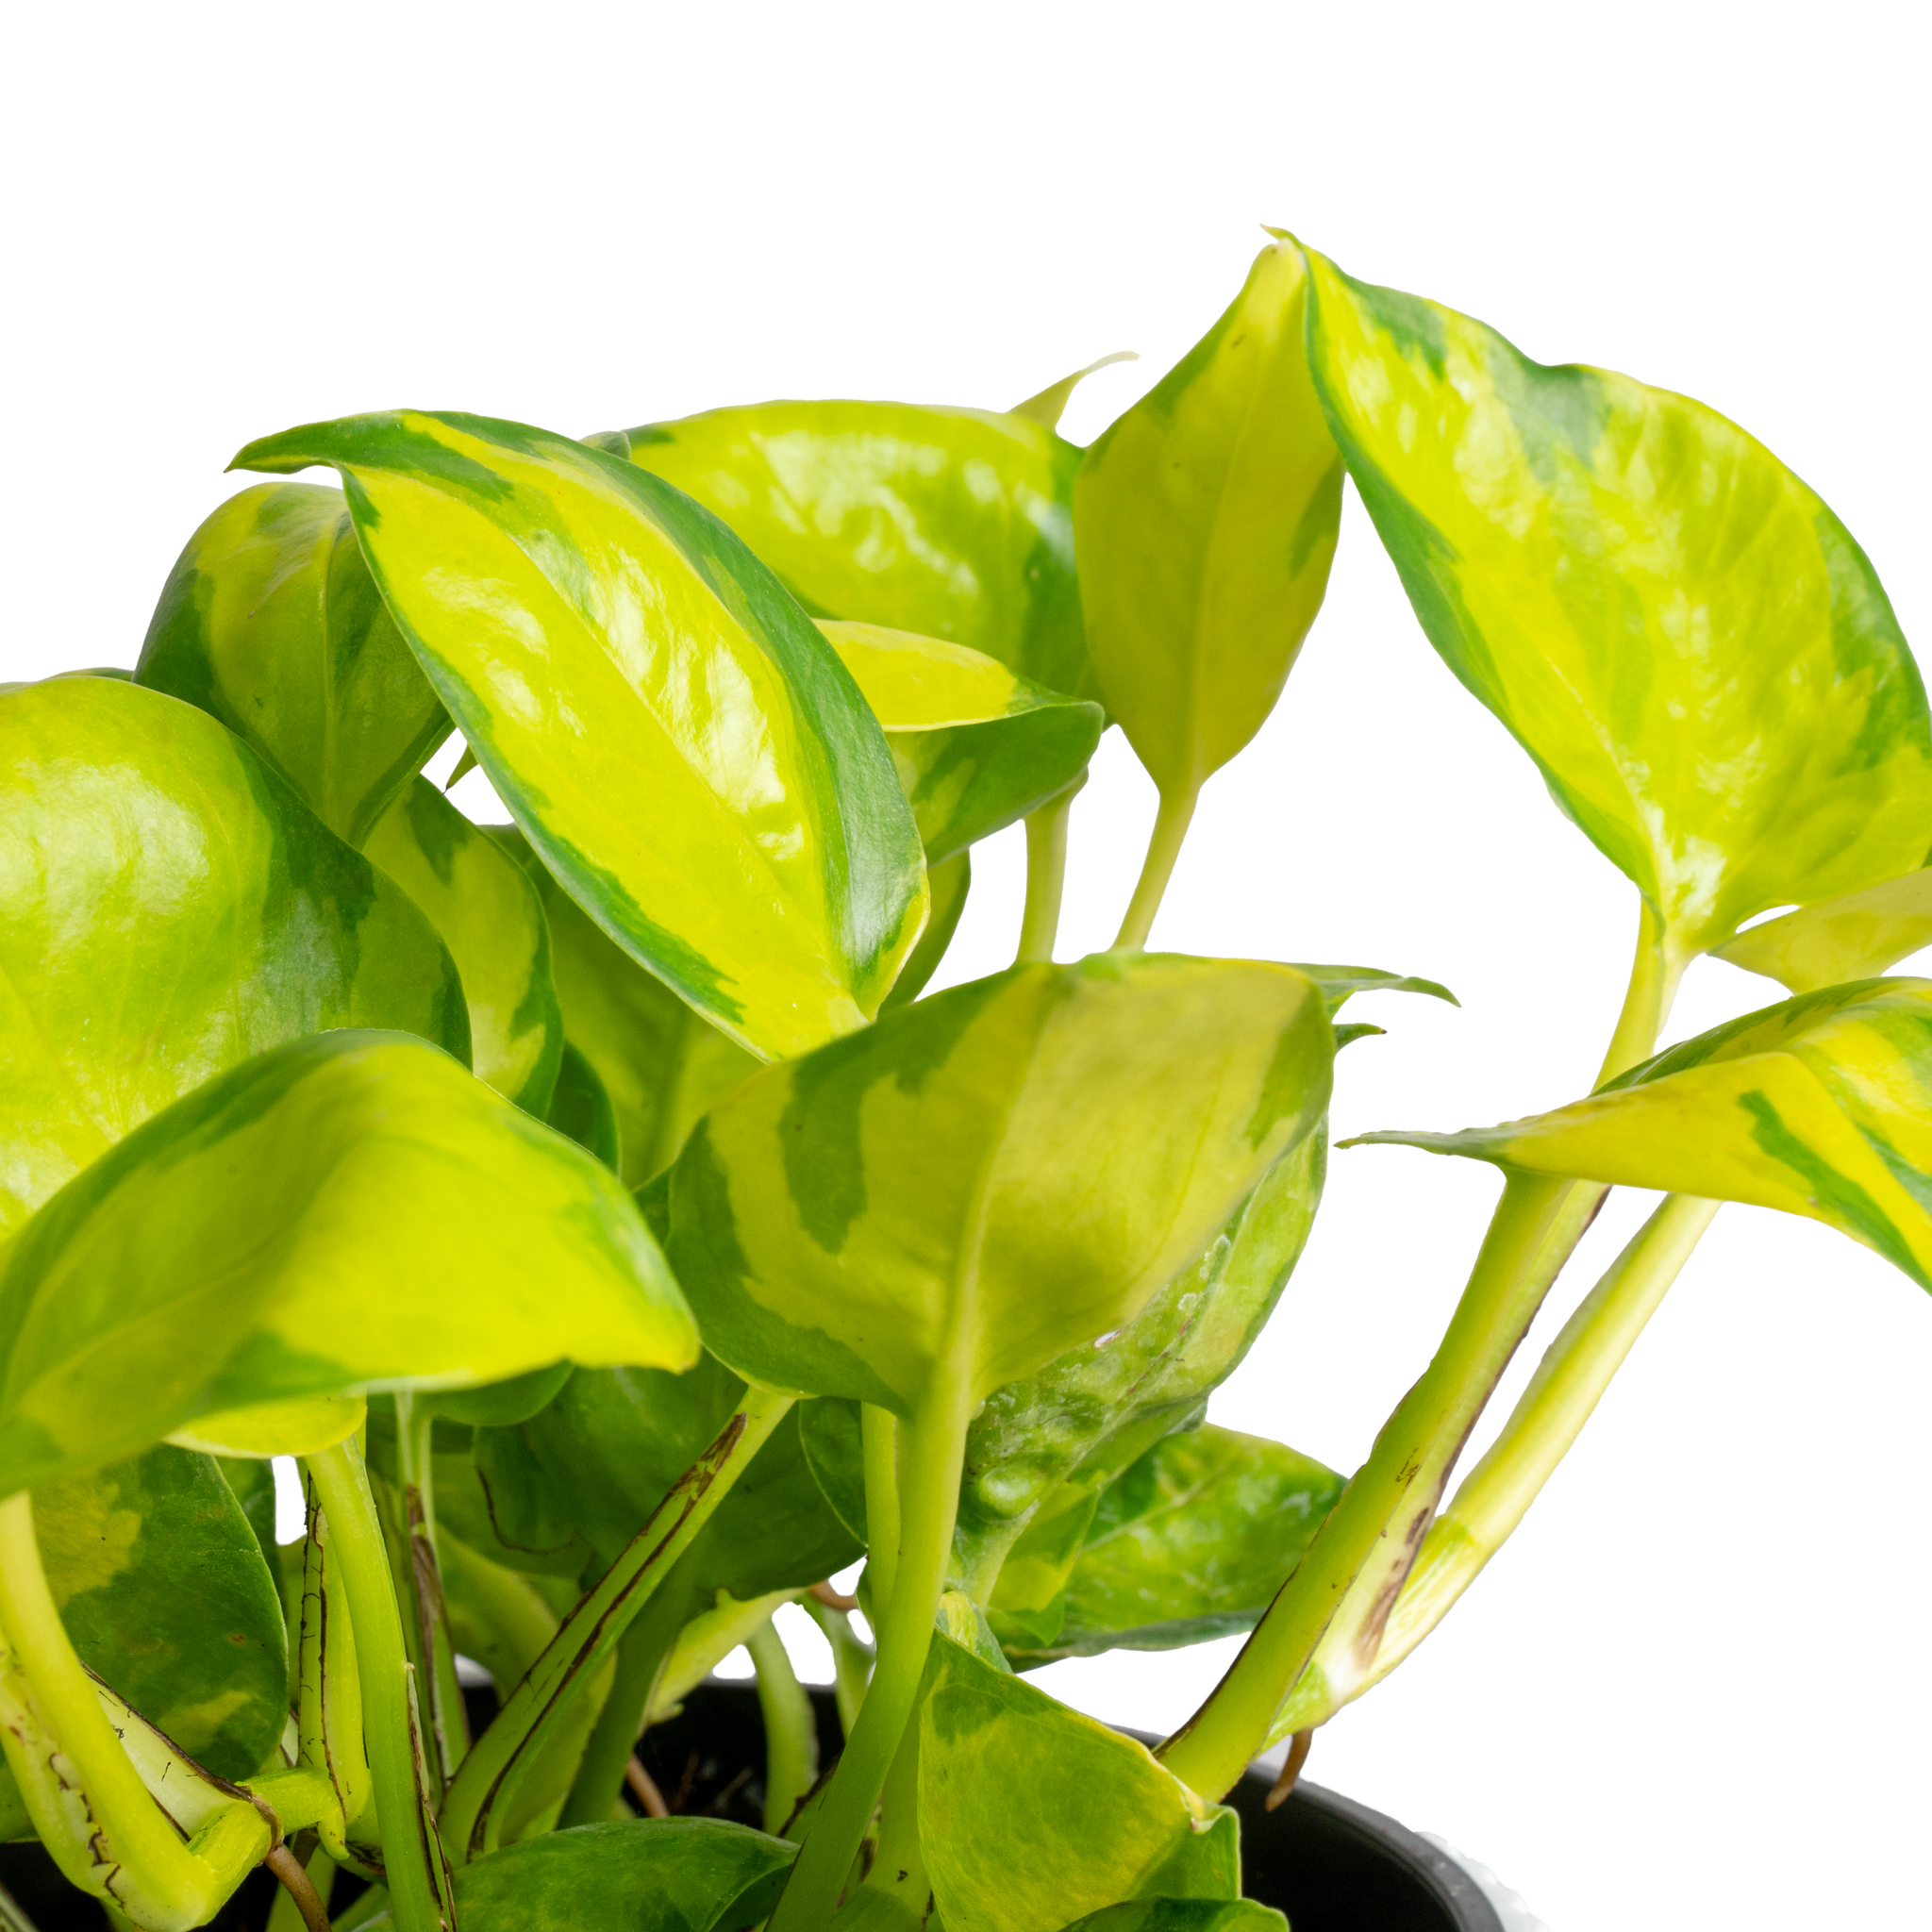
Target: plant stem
{"type": "Point", "coordinates": [132, 1830]}
{"type": "Point", "coordinates": [1047, 876]}
{"type": "Point", "coordinates": [640, 1656]}
{"type": "Point", "coordinates": [297, 1889]}
{"type": "Point", "coordinates": [411, 1858]}
{"type": "Point", "coordinates": [587, 1636]}
{"type": "Point", "coordinates": [1170, 830]}
{"type": "Point", "coordinates": [1654, 974]}
{"type": "Point", "coordinates": [879, 1436]}
{"type": "Point", "coordinates": [1497, 1493]}
{"type": "Point", "coordinates": [932, 1451]}
{"type": "Point", "coordinates": [1388, 1503]}
{"type": "Point", "coordinates": [421, 1579]}
{"type": "Point", "coordinates": [791, 1735]}
{"type": "Point", "coordinates": [851, 1660]}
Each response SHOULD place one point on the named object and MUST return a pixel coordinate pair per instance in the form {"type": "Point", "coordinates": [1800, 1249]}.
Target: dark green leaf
{"type": "Point", "coordinates": [581, 1108]}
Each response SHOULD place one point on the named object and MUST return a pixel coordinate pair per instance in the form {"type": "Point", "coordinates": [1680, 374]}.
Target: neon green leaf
{"type": "Point", "coordinates": [1819, 1106]}
{"type": "Point", "coordinates": [171, 908]}
{"type": "Point", "coordinates": [486, 910]}
{"type": "Point", "coordinates": [1205, 519]}
{"type": "Point", "coordinates": [661, 1063]}
{"type": "Point", "coordinates": [1188, 1543]}
{"type": "Point", "coordinates": [678, 744]}
{"type": "Point", "coordinates": [1031, 1814]}
{"type": "Point", "coordinates": [893, 1207]}
{"type": "Point", "coordinates": [1679, 632]}
{"type": "Point", "coordinates": [269, 621]}
{"type": "Point", "coordinates": [951, 523]}
{"type": "Point", "coordinates": [350, 1212]}
{"type": "Point", "coordinates": [977, 746]}
{"type": "Point", "coordinates": [1851, 937]}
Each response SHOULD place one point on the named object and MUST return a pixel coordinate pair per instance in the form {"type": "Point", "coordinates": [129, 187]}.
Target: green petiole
{"type": "Point", "coordinates": [588, 1636]}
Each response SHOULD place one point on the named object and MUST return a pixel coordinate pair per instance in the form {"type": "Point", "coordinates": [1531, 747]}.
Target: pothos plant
{"type": "Point", "coordinates": [623, 1245]}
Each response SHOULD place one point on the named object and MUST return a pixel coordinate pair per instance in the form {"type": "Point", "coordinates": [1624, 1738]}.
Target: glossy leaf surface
{"type": "Point", "coordinates": [1031, 1814]}
{"type": "Point", "coordinates": [1852, 937]}
{"type": "Point", "coordinates": [1093, 1410]}
{"type": "Point", "coordinates": [271, 621]}
{"type": "Point", "coordinates": [1207, 519]}
{"type": "Point", "coordinates": [656, 1874]}
{"type": "Point", "coordinates": [1819, 1106]}
{"type": "Point", "coordinates": [352, 1211]}
{"type": "Point", "coordinates": [167, 909]}
{"type": "Point", "coordinates": [952, 523]}
{"type": "Point", "coordinates": [160, 1582]}
{"type": "Point", "coordinates": [1191, 1542]}
{"type": "Point", "coordinates": [485, 909]}
{"type": "Point", "coordinates": [977, 745]}
{"type": "Point", "coordinates": [732, 821]}
{"type": "Point", "coordinates": [661, 1064]}
{"type": "Point", "coordinates": [1693, 648]}
{"type": "Point", "coordinates": [1087, 1127]}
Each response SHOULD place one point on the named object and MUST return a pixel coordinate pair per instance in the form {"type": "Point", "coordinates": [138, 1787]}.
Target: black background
{"type": "Point", "coordinates": [1683, 1691]}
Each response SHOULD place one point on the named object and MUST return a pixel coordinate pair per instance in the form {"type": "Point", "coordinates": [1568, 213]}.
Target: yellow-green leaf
{"type": "Point", "coordinates": [987, 1177]}
{"type": "Point", "coordinates": [1851, 937]}
{"type": "Point", "coordinates": [1819, 1106]}
{"type": "Point", "coordinates": [168, 907]}
{"type": "Point", "coordinates": [977, 745]}
{"type": "Point", "coordinates": [486, 907]}
{"type": "Point", "coordinates": [681, 747]}
{"type": "Point", "coordinates": [269, 621]}
{"type": "Point", "coordinates": [351, 1212]}
{"type": "Point", "coordinates": [951, 523]}
{"type": "Point", "coordinates": [661, 1064]}
{"type": "Point", "coordinates": [1205, 519]}
{"type": "Point", "coordinates": [1689, 644]}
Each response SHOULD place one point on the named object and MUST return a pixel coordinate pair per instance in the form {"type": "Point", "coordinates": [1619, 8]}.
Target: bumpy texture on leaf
{"type": "Point", "coordinates": [675, 738]}
{"type": "Point", "coordinates": [168, 907]}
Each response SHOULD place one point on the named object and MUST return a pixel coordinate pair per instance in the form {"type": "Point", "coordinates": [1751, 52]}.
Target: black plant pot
{"type": "Point", "coordinates": [1330, 1864]}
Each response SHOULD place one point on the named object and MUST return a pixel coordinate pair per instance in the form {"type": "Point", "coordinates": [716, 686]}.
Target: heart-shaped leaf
{"type": "Point", "coordinates": [352, 1211]}
{"type": "Point", "coordinates": [1819, 1106]}
{"type": "Point", "coordinates": [1205, 519]}
{"type": "Point", "coordinates": [977, 746]}
{"type": "Point", "coordinates": [986, 1179]}
{"type": "Point", "coordinates": [1692, 647]}
{"type": "Point", "coordinates": [171, 908]}
{"type": "Point", "coordinates": [1030, 1813]}
{"type": "Point", "coordinates": [646, 1875]}
{"type": "Point", "coordinates": [733, 822]}
{"type": "Point", "coordinates": [1190, 1543]}
{"type": "Point", "coordinates": [661, 1064]}
{"type": "Point", "coordinates": [1852, 937]}
{"type": "Point", "coordinates": [271, 621]}
{"type": "Point", "coordinates": [951, 523]}
{"type": "Point", "coordinates": [160, 1582]}
{"type": "Point", "coordinates": [486, 907]}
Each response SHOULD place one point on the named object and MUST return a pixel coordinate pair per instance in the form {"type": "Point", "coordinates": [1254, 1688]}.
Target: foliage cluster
{"type": "Point", "coordinates": [596, 1208]}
